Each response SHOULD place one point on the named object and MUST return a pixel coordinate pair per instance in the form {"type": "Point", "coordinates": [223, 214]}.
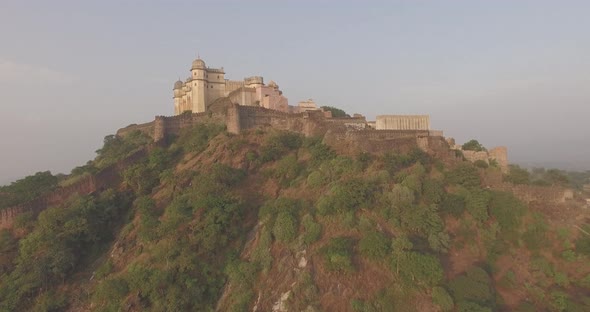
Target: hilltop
{"type": "Point", "coordinates": [272, 219]}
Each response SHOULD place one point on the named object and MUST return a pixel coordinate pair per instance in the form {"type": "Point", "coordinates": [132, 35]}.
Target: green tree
{"type": "Point", "coordinates": [338, 254]}
{"type": "Point", "coordinates": [285, 227]}
{"type": "Point", "coordinates": [441, 298]}
{"type": "Point", "coordinates": [336, 112]}
{"type": "Point", "coordinates": [465, 174]}
{"type": "Point", "coordinates": [473, 286]}
{"type": "Point", "coordinates": [473, 145]}
{"type": "Point", "coordinates": [374, 245]}
{"type": "Point", "coordinates": [518, 175]}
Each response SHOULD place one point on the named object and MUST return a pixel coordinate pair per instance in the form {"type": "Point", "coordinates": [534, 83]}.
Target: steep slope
{"type": "Point", "coordinates": [272, 221]}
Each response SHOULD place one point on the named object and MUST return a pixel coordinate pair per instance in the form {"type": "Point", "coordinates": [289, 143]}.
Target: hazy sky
{"type": "Point", "coordinates": [514, 73]}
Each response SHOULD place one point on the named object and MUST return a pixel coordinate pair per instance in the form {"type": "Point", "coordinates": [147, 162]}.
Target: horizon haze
{"type": "Point", "coordinates": [506, 73]}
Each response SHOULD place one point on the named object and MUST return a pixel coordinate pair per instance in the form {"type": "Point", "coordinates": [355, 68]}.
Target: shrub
{"type": "Point", "coordinates": [518, 175]}
{"type": "Point", "coordinates": [336, 112]}
{"type": "Point", "coordinates": [320, 152]}
{"type": "Point", "coordinates": [419, 268]}
{"type": "Point", "coordinates": [413, 182]}
{"type": "Point", "coordinates": [583, 244]}
{"type": "Point", "coordinates": [278, 145]}
{"type": "Point", "coordinates": [287, 169]}
{"type": "Point", "coordinates": [473, 145]}
{"type": "Point", "coordinates": [441, 298]}
{"type": "Point", "coordinates": [433, 191]}
{"type": "Point", "coordinates": [439, 242]}
{"type": "Point", "coordinates": [272, 207]}
{"type": "Point", "coordinates": [261, 254]}
{"type": "Point", "coordinates": [467, 306]}
{"type": "Point", "coordinates": [561, 279]}
{"type": "Point", "coordinates": [560, 300]}
{"type": "Point", "coordinates": [473, 286]}
{"type": "Point", "coordinates": [477, 201]}
{"type": "Point", "coordinates": [569, 255]}
{"type": "Point", "coordinates": [507, 210]}
{"type": "Point", "coordinates": [285, 227]}
{"type": "Point", "coordinates": [374, 245]}
{"type": "Point", "coordinates": [465, 175]}
{"type": "Point", "coordinates": [337, 254]}
{"type": "Point", "coordinates": [316, 179]}
{"type": "Point", "coordinates": [481, 164]}
{"type": "Point", "coordinates": [313, 230]}
{"type": "Point", "coordinates": [453, 204]}
{"type": "Point", "coordinates": [346, 196]}
{"type": "Point", "coordinates": [534, 236]}
{"type": "Point", "coordinates": [109, 294]}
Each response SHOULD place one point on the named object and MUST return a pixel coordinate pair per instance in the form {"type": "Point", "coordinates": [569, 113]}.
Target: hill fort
{"type": "Point", "coordinates": [207, 96]}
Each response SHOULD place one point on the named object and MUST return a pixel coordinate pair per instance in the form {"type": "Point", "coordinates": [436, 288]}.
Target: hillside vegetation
{"type": "Point", "coordinates": [273, 221]}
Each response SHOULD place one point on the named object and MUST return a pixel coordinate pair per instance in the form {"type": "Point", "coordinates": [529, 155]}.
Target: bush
{"type": "Point", "coordinates": [287, 169]}
{"type": "Point", "coordinates": [109, 294]}
{"type": "Point", "coordinates": [467, 306]}
{"type": "Point", "coordinates": [441, 298]}
{"type": "Point", "coordinates": [261, 254]}
{"type": "Point", "coordinates": [196, 139]}
{"type": "Point", "coordinates": [507, 210]}
{"type": "Point", "coordinates": [337, 254]}
{"type": "Point", "coordinates": [473, 145]}
{"type": "Point", "coordinates": [423, 269]}
{"type": "Point", "coordinates": [278, 145]}
{"type": "Point", "coordinates": [433, 191]}
{"type": "Point", "coordinates": [583, 244]}
{"type": "Point", "coordinates": [453, 204]}
{"type": "Point", "coordinates": [374, 245]}
{"type": "Point", "coordinates": [313, 230]}
{"type": "Point", "coordinates": [561, 279]}
{"type": "Point", "coordinates": [465, 174]}
{"type": "Point", "coordinates": [316, 179]}
{"type": "Point", "coordinates": [481, 164]}
{"type": "Point", "coordinates": [534, 237]}
{"type": "Point", "coordinates": [319, 151]}
{"type": "Point", "coordinates": [346, 196]}
{"type": "Point", "coordinates": [395, 162]}
{"type": "Point", "coordinates": [336, 112]}
{"type": "Point", "coordinates": [473, 286]}
{"type": "Point", "coordinates": [477, 201]}
{"type": "Point", "coordinates": [518, 175]}
{"type": "Point", "coordinates": [285, 227]}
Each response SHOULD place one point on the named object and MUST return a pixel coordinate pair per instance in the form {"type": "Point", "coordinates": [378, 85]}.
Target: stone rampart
{"type": "Point", "coordinates": [147, 128]}
{"type": "Point", "coordinates": [107, 178]}
{"type": "Point", "coordinates": [532, 193]}
{"type": "Point", "coordinates": [499, 154]}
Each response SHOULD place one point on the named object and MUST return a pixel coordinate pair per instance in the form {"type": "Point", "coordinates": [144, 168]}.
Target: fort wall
{"type": "Point", "coordinates": [107, 178]}
{"type": "Point", "coordinates": [403, 122]}
{"type": "Point", "coordinates": [499, 154]}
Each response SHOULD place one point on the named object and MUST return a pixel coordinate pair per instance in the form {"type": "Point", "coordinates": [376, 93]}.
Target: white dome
{"type": "Point", "coordinates": [198, 64]}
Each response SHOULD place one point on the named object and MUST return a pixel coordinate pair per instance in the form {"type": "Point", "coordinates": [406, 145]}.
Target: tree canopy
{"type": "Point", "coordinates": [336, 112]}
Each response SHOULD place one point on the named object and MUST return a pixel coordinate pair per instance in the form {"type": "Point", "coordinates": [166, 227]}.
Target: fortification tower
{"type": "Point", "coordinates": [254, 82]}
{"type": "Point", "coordinates": [199, 86]}
{"type": "Point", "coordinates": [177, 97]}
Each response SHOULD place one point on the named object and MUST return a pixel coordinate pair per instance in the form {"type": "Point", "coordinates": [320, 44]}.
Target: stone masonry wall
{"type": "Point", "coordinates": [107, 178]}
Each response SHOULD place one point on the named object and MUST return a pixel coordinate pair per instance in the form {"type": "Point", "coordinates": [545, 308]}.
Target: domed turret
{"type": "Point", "coordinates": [178, 85]}
{"type": "Point", "coordinates": [273, 84]}
{"type": "Point", "coordinates": [198, 64]}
